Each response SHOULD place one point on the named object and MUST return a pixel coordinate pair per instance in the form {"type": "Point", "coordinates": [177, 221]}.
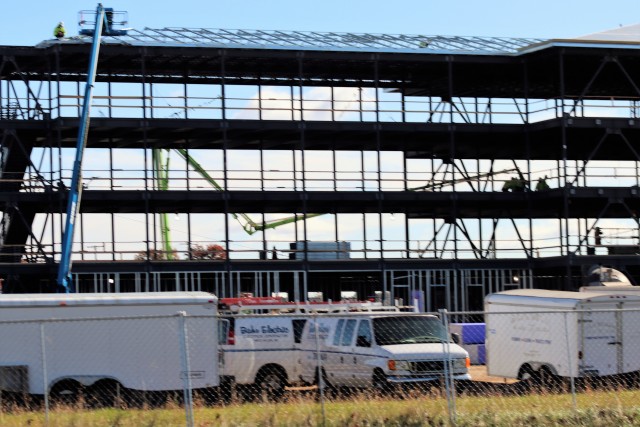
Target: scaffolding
{"type": "Point", "coordinates": [403, 155]}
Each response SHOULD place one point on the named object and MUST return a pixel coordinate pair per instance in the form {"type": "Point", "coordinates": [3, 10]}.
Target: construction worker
{"type": "Point", "coordinates": [542, 184]}
{"type": "Point", "coordinates": [515, 184]}
{"type": "Point", "coordinates": [509, 185]}
{"type": "Point", "coordinates": [597, 233]}
{"type": "Point", "coordinates": [59, 31]}
{"type": "Point", "coordinates": [512, 185]}
{"type": "Point", "coordinates": [520, 184]}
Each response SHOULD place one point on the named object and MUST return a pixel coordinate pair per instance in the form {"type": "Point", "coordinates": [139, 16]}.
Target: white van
{"type": "Point", "coordinates": [259, 352]}
{"type": "Point", "coordinates": [379, 350]}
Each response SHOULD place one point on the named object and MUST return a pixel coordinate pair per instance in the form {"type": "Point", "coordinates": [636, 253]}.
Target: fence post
{"type": "Point", "coordinates": [570, 366]}
{"type": "Point", "coordinates": [319, 367]}
{"type": "Point", "coordinates": [45, 377]}
{"type": "Point", "coordinates": [448, 369]}
{"type": "Point", "coordinates": [186, 369]}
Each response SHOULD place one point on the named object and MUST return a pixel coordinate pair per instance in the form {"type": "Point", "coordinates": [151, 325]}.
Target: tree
{"type": "Point", "coordinates": [154, 255]}
{"type": "Point", "coordinates": [210, 252]}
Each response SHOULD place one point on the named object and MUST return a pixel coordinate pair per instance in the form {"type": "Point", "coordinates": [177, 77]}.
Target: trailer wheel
{"type": "Point", "coordinates": [107, 394]}
{"type": "Point", "coordinates": [67, 393]}
{"type": "Point", "coordinates": [528, 378]}
{"type": "Point", "coordinates": [271, 381]}
{"type": "Point", "coordinates": [526, 373]}
{"type": "Point", "coordinates": [548, 380]}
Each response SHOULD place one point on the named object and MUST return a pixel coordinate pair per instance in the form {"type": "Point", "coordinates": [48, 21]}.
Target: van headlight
{"type": "Point", "coordinates": [461, 364]}
{"type": "Point", "coordinates": [399, 365]}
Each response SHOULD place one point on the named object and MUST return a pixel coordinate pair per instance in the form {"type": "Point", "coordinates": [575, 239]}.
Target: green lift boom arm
{"type": "Point", "coordinates": [248, 225]}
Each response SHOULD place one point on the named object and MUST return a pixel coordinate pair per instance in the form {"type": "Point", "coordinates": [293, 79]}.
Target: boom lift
{"type": "Point", "coordinates": [104, 26]}
{"type": "Point", "coordinates": [161, 178]}
{"type": "Point", "coordinates": [248, 225]}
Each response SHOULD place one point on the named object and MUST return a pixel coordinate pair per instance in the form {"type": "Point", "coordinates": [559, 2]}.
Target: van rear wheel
{"type": "Point", "coordinates": [271, 381]}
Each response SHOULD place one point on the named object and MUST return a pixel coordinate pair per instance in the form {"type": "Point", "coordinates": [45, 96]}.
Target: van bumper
{"type": "Point", "coordinates": [422, 379]}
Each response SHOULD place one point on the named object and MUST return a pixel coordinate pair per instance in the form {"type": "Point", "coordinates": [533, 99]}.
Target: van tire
{"type": "Point", "coordinates": [380, 383]}
{"type": "Point", "coordinates": [329, 390]}
{"type": "Point", "coordinates": [271, 380]}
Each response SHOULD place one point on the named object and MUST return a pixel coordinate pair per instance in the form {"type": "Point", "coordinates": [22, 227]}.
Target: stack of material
{"type": "Point", "coordinates": [471, 339]}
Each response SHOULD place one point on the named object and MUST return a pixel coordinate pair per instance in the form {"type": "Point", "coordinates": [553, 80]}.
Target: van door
{"type": "Point", "coordinates": [328, 333]}
{"type": "Point", "coordinates": [601, 341]}
{"type": "Point", "coordinates": [363, 351]}
{"type": "Point", "coordinates": [345, 359]}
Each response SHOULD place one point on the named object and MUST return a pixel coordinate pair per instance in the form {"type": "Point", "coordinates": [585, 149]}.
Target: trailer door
{"type": "Point", "coordinates": [601, 341]}
{"type": "Point", "coordinates": [630, 319]}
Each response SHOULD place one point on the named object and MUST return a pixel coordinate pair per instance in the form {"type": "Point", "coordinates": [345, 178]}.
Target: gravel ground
{"type": "Point", "coordinates": [479, 373]}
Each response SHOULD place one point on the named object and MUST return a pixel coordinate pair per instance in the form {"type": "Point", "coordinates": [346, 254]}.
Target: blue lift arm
{"type": "Point", "coordinates": [75, 192]}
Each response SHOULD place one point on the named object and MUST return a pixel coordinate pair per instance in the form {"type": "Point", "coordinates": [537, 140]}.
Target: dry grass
{"type": "Point", "coordinates": [594, 408]}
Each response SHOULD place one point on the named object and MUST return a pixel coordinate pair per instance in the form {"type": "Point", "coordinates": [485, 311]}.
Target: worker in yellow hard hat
{"type": "Point", "coordinates": [59, 31]}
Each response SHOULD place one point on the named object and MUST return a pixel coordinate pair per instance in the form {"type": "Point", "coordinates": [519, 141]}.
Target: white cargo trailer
{"type": "Point", "coordinates": [64, 343]}
{"type": "Point", "coordinates": [569, 334]}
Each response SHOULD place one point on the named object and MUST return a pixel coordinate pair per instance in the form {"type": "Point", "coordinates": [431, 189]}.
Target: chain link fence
{"type": "Point", "coordinates": [462, 362]}
{"type": "Point", "coordinates": [456, 363]}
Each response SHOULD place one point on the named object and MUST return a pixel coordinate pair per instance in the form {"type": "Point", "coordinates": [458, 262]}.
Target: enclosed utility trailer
{"type": "Point", "coordinates": [64, 343]}
{"type": "Point", "coordinates": [569, 334]}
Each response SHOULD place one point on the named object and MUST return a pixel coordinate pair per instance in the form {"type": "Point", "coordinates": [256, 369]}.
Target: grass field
{"type": "Point", "coordinates": [601, 408]}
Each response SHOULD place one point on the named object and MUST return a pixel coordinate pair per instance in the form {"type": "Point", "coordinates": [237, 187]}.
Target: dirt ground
{"type": "Point", "coordinates": [479, 373]}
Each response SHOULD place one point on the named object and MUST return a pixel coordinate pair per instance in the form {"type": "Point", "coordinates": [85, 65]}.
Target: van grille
{"type": "Point", "coordinates": [428, 366]}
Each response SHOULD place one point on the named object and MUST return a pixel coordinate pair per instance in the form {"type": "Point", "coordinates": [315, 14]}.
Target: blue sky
{"type": "Point", "coordinates": [29, 22]}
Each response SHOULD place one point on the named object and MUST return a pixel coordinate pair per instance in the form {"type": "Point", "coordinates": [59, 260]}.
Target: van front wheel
{"type": "Point", "coordinates": [380, 383]}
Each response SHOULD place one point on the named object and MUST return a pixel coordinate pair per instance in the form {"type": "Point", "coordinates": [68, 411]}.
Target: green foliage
{"type": "Point", "coordinates": [154, 255]}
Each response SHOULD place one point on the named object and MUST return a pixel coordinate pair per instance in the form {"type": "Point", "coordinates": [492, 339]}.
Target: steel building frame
{"type": "Point", "coordinates": [403, 143]}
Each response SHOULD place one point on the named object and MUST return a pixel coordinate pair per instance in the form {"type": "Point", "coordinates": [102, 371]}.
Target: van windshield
{"type": "Point", "coordinates": [408, 330]}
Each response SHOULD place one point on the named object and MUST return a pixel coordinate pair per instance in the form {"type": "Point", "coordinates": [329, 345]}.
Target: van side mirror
{"type": "Point", "coordinates": [456, 338]}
